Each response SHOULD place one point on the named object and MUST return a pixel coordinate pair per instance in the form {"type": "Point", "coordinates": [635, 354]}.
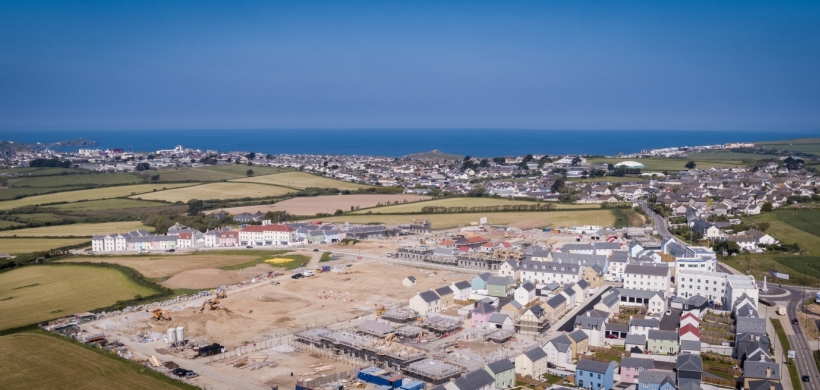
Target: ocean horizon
{"type": "Point", "coordinates": [401, 142]}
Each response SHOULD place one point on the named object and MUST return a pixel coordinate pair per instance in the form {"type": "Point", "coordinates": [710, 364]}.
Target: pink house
{"type": "Point", "coordinates": [230, 238]}
{"type": "Point", "coordinates": [631, 368]}
{"type": "Point", "coordinates": [481, 314]}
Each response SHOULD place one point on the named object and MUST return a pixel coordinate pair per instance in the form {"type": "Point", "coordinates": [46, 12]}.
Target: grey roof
{"type": "Point", "coordinates": [498, 281]}
{"type": "Point", "coordinates": [689, 362]}
{"type": "Point", "coordinates": [696, 300]}
{"type": "Point", "coordinates": [536, 310]}
{"type": "Point", "coordinates": [429, 296]}
{"type": "Point", "coordinates": [587, 322]}
{"type": "Point", "coordinates": [656, 377]}
{"type": "Point", "coordinates": [498, 318]}
{"type": "Point", "coordinates": [576, 247]}
{"type": "Point", "coordinates": [475, 380]}
{"type": "Point", "coordinates": [528, 286]}
{"type": "Point", "coordinates": [690, 345]}
{"type": "Point", "coordinates": [485, 276]}
{"type": "Point", "coordinates": [578, 335]}
{"type": "Point", "coordinates": [551, 286]}
{"type": "Point", "coordinates": [757, 369]}
{"type": "Point", "coordinates": [592, 366]}
{"type": "Point", "coordinates": [500, 366]}
{"type": "Point", "coordinates": [759, 385]}
{"type": "Point", "coordinates": [578, 258]}
{"type": "Point", "coordinates": [598, 313]}
{"type": "Point", "coordinates": [636, 339]}
{"type": "Point", "coordinates": [610, 299]}
{"type": "Point", "coordinates": [619, 257]}
{"type": "Point", "coordinates": [650, 270]}
{"type": "Point", "coordinates": [751, 325]}
{"type": "Point", "coordinates": [606, 245]}
{"type": "Point", "coordinates": [535, 354]}
{"type": "Point", "coordinates": [645, 322]}
{"type": "Point", "coordinates": [411, 278]}
{"type": "Point", "coordinates": [556, 301]}
{"type": "Point", "coordinates": [646, 364]}
{"type": "Point", "coordinates": [551, 267]}
{"type": "Point", "coordinates": [583, 284]}
{"type": "Point", "coordinates": [442, 291]}
{"type": "Point", "coordinates": [463, 285]}
{"type": "Point", "coordinates": [561, 342]}
{"type": "Point", "coordinates": [569, 290]}
{"type": "Point", "coordinates": [484, 308]}
{"type": "Point", "coordinates": [512, 263]}
{"type": "Point", "coordinates": [628, 292]}
{"type": "Point", "coordinates": [663, 335]}
{"type": "Point", "coordinates": [693, 385]}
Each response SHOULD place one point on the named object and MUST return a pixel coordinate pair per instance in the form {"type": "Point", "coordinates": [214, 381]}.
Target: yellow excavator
{"type": "Point", "coordinates": [160, 315]}
{"type": "Point", "coordinates": [211, 304]}
{"type": "Point", "coordinates": [222, 294]}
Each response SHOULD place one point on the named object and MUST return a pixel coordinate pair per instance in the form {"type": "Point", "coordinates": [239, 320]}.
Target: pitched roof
{"type": "Point", "coordinates": [556, 301]}
{"type": "Point", "coordinates": [429, 296]}
{"type": "Point", "coordinates": [498, 281]}
{"type": "Point", "coordinates": [462, 285]}
{"type": "Point", "coordinates": [689, 362]}
{"type": "Point", "coordinates": [656, 377]}
{"type": "Point", "coordinates": [535, 354]}
{"type": "Point", "coordinates": [649, 270]}
{"type": "Point", "coordinates": [663, 335]}
{"type": "Point", "coordinates": [593, 366]}
{"type": "Point", "coordinates": [646, 364]}
{"type": "Point", "coordinates": [578, 335]}
{"type": "Point", "coordinates": [500, 366]}
{"type": "Point", "coordinates": [637, 339]}
{"type": "Point", "coordinates": [474, 380]}
{"type": "Point", "coordinates": [561, 343]}
{"type": "Point", "coordinates": [442, 291]}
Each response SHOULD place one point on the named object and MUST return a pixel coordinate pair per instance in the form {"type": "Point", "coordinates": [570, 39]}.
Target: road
{"type": "Point", "coordinates": [800, 344]}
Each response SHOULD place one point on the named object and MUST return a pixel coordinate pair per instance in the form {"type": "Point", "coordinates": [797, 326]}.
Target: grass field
{"type": "Point", "coordinates": [524, 220]}
{"type": "Point", "coordinates": [805, 220]}
{"type": "Point", "coordinates": [671, 164]}
{"type": "Point", "coordinates": [107, 204]}
{"type": "Point", "coordinates": [39, 293]}
{"type": "Point", "coordinates": [7, 224]}
{"type": "Point", "coordinates": [26, 245]}
{"type": "Point", "coordinates": [160, 266]}
{"type": "Point", "coordinates": [302, 180]}
{"type": "Point", "coordinates": [77, 229]}
{"type": "Point", "coordinates": [214, 173]}
{"type": "Point", "coordinates": [787, 233]}
{"type": "Point", "coordinates": [39, 361]}
{"type": "Point", "coordinates": [41, 171]}
{"type": "Point", "coordinates": [13, 192]}
{"type": "Point", "coordinates": [416, 207]}
{"type": "Point", "coordinates": [626, 217]}
{"type": "Point", "coordinates": [100, 179]}
{"type": "Point", "coordinates": [807, 145]}
{"type": "Point", "coordinates": [225, 190]}
{"type": "Point", "coordinates": [97, 193]}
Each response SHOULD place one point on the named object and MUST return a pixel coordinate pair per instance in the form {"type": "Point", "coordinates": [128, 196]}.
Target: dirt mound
{"type": "Point", "coordinates": [204, 278]}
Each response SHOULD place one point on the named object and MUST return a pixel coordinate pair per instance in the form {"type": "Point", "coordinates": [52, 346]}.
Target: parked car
{"type": "Point", "coordinates": [316, 250]}
{"type": "Point", "coordinates": [172, 250]}
{"type": "Point", "coordinates": [249, 247]}
{"type": "Point", "coordinates": [669, 312]}
{"type": "Point", "coordinates": [191, 375]}
{"type": "Point", "coordinates": [672, 298]}
{"type": "Point", "coordinates": [308, 273]}
{"type": "Point", "coordinates": [611, 336]}
{"type": "Point", "coordinates": [297, 276]}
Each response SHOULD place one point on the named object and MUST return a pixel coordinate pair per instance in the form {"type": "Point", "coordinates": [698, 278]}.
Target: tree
{"type": "Point", "coordinates": [477, 191]}
{"type": "Point", "coordinates": [690, 165]}
{"type": "Point", "coordinates": [155, 178]}
{"type": "Point", "coordinates": [4, 182]}
{"type": "Point", "coordinates": [194, 207]}
{"type": "Point", "coordinates": [527, 158]}
{"type": "Point", "coordinates": [499, 160]}
{"type": "Point", "coordinates": [143, 167]}
{"type": "Point", "coordinates": [576, 160]}
{"type": "Point", "coordinates": [763, 226]}
{"type": "Point", "coordinates": [249, 172]}
{"type": "Point", "coordinates": [767, 207]}
{"type": "Point", "coordinates": [558, 184]}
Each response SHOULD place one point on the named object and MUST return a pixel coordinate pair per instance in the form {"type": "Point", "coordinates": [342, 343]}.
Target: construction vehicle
{"type": "Point", "coordinates": [379, 312]}
{"type": "Point", "coordinates": [160, 314]}
{"type": "Point", "coordinates": [222, 294]}
{"type": "Point", "coordinates": [211, 304]}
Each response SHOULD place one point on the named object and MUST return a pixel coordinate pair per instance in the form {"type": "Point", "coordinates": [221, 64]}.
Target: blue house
{"type": "Point", "coordinates": [480, 281]}
{"type": "Point", "coordinates": [594, 375]}
{"type": "Point", "coordinates": [656, 380]}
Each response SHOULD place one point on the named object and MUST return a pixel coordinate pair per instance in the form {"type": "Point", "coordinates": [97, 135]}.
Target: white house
{"type": "Point", "coordinates": [409, 281]}
{"type": "Point", "coordinates": [642, 326]}
{"type": "Point", "coordinates": [509, 268]}
{"type": "Point", "coordinates": [525, 293]}
{"type": "Point", "coordinates": [545, 272]}
{"type": "Point", "coordinates": [653, 277]}
{"type": "Point", "coordinates": [531, 363]}
{"type": "Point", "coordinates": [267, 234]}
{"type": "Point", "coordinates": [462, 290]}
{"type": "Point", "coordinates": [426, 303]}
{"type": "Point", "coordinates": [559, 351]}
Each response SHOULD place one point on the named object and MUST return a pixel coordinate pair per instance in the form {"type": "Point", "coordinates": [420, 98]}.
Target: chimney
{"type": "Point", "coordinates": [768, 370]}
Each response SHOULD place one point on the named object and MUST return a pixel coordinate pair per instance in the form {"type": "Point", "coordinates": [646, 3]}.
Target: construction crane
{"type": "Point", "coordinates": [160, 314]}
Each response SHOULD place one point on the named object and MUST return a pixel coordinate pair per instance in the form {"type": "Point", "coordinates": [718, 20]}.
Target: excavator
{"type": "Point", "coordinates": [211, 304]}
{"type": "Point", "coordinates": [160, 314]}
{"type": "Point", "coordinates": [222, 294]}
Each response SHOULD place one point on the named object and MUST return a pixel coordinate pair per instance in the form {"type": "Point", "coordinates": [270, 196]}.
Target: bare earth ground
{"type": "Point", "coordinates": [211, 278]}
{"type": "Point", "coordinates": [158, 266]}
{"type": "Point", "coordinates": [326, 204]}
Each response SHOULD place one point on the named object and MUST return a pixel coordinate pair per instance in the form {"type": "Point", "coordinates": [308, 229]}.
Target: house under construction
{"type": "Point", "coordinates": [441, 325]}
{"type": "Point", "coordinates": [377, 350]}
{"type": "Point", "coordinates": [433, 371]}
{"type": "Point", "coordinates": [400, 315]}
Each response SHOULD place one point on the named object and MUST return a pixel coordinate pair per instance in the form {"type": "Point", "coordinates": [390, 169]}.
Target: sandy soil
{"type": "Point", "coordinates": [325, 204]}
{"type": "Point", "coordinates": [210, 278]}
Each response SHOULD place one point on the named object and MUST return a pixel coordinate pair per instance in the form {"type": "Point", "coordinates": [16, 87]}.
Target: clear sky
{"type": "Point", "coordinates": [409, 64]}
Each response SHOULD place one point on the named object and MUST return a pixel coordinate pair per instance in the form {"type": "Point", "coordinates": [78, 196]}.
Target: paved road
{"type": "Point", "coordinates": [805, 359]}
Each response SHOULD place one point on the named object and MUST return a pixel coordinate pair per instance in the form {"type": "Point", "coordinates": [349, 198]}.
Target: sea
{"type": "Point", "coordinates": [401, 142]}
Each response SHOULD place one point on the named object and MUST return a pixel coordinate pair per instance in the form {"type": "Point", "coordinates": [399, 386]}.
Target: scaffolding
{"type": "Point", "coordinates": [442, 324]}
{"type": "Point", "coordinates": [400, 315]}
{"type": "Point", "coordinates": [433, 371]}
{"type": "Point", "coordinates": [374, 328]}
{"type": "Point", "coordinates": [365, 347]}
{"type": "Point", "coordinates": [409, 331]}
{"type": "Point", "coordinates": [499, 336]}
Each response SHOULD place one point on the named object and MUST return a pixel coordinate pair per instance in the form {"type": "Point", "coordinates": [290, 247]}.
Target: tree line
{"type": "Point", "coordinates": [487, 209]}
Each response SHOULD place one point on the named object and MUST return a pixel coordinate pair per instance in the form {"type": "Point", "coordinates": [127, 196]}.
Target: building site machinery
{"type": "Point", "coordinates": [211, 304]}
{"type": "Point", "coordinates": [222, 294]}
{"type": "Point", "coordinates": [160, 315]}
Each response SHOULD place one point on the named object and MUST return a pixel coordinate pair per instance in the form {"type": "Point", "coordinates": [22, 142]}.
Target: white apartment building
{"type": "Point", "coordinates": [267, 234]}
{"type": "Point", "coordinates": [717, 286]}
{"type": "Point", "coordinates": [545, 272]}
{"type": "Point", "coordinates": [654, 277]}
{"type": "Point", "coordinates": [736, 286]}
{"type": "Point", "coordinates": [696, 259]}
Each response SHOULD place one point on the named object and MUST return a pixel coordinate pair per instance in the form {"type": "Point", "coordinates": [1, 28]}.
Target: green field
{"type": "Point", "coordinates": [41, 171]}
{"type": "Point", "coordinates": [415, 207]}
{"type": "Point", "coordinates": [27, 245]}
{"type": "Point", "coordinates": [671, 164]}
{"type": "Point", "coordinates": [14, 192]}
{"type": "Point", "coordinates": [213, 173]}
{"type": "Point", "coordinates": [524, 220]}
{"type": "Point", "coordinates": [42, 292]}
{"type": "Point", "coordinates": [786, 232]}
{"type": "Point", "coordinates": [223, 190]}
{"type": "Point", "coordinates": [77, 229]}
{"type": "Point", "coordinates": [805, 220]}
{"type": "Point", "coordinates": [40, 361]}
{"type": "Point", "coordinates": [302, 180]}
{"type": "Point", "coordinates": [97, 193]}
{"type": "Point", "coordinates": [7, 224]}
{"type": "Point", "coordinates": [107, 204]}
{"type": "Point", "coordinates": [96, 179]}
{"type": "Point", "coordinates": [806, 145]}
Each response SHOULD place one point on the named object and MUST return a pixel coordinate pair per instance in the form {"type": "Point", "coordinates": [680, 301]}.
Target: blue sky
{"type": "Point", "coordinates": [443, 64]}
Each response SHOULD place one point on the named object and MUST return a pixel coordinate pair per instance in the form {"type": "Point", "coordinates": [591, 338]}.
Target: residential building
{"type": "Point", "coordinates": [531, 363]}
{"type": "Point", "coordinates": [662, 341]}
{"type": "Point", "coordinates": [594, 375]}
{"type": "Point", "coordinates": [559, 350]}
{"type": "Point", "coordinates": [653, 277]}
{"type": "Point", "coordinates": [689, 368]}
{"type": "Point", "coordinates": [657, 380]}
{"type": "Point", "coordinates": [631, 368]}
{"type": "Point", "coordinates": [503, 373]}
{"type": "Point", "coordinates": [534, 321]}
{"type": "Point", "coordinates": [425, 303]}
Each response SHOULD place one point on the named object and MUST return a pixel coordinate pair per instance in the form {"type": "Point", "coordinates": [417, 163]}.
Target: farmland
{"type": "Point", "coordinates": [806, 145]}
{"type": "Point", "coordinates": [39, 293]}
{"type": "Point", "coordinates": [326, 204]}
{"type": "Point", "coordinates": [107, 204]}
{"type": "Point", "coordinates": [672, 164]}
{"type": "Point", "coordinates": [96, 179]}
{"type": "Point", "coordinates": [302, 180]}
{"type": "Point", "coordinates": [455, 202]}
{"type": "Point", "coordinates": [26, 245]}
{"type": "Point", "coordinates": [807, 221]}
{"type": "Point", "coordinates": [223, 190]}
{"type": "Point", "coordinates": [524, 220]}
{"type": "Point", "coordinates": [786, 232]}
{"type": "Point", "coordinates": [76, 230]}
{"type": "Point", "coordinates": [27, 356]}
{"type": "Point", "coordinates": [214, 173]}
{"type": "Point", "coordinates": [97, 193]}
